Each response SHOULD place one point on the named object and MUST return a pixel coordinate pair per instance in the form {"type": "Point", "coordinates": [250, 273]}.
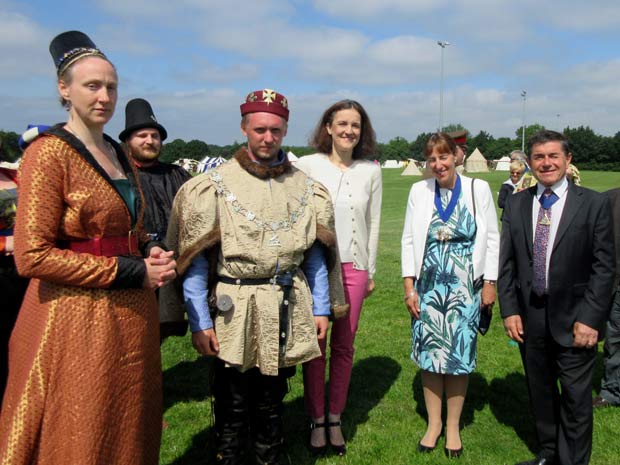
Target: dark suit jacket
{"type": "Point", "coordinates": [581, 270]}
{"type": "Point", "coordinates": [614, 197]}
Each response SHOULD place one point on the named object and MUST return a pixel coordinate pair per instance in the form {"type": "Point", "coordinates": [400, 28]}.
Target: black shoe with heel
{"type": "Point", "coordinates": [453, 453]}
{"type": "Point", "coordinates": [339, 449]}
{"type": "Point", "coordinates": [425, 449]}
{"type": "Point", "coordinates": [317, 450]}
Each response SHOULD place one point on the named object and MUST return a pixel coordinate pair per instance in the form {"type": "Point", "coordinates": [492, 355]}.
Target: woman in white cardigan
{"type": "Point", "coordinates": [450, 249]}
{"type": "Point", "coordinates": [344, 137]}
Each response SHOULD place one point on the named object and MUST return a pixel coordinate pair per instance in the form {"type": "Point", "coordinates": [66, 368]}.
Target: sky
{"type": "Point", "coordinates": [196, 60]}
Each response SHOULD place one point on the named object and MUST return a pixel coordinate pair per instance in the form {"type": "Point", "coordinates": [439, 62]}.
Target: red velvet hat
{"type": "Point", "coordinates": [459, 137]}
{"type": "Point", "coordinates": [265, 100]}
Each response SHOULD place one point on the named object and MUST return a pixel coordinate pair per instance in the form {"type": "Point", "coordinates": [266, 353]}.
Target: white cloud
{"type": "Point", "coordinates": [372, 8]}
{"type": "Point", "coordinates": [23, 48]}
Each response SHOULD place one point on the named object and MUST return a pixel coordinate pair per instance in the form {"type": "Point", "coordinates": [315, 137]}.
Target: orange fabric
{"type": "Point", "coordinates": [84, 362]}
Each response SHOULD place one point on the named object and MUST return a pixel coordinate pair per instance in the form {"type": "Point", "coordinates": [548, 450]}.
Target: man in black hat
{"type": "Point", "coordinates": [142, 139]}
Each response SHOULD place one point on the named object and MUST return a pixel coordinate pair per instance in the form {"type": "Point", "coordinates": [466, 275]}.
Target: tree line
{"type": "Point", "coordinates": [591, 151]}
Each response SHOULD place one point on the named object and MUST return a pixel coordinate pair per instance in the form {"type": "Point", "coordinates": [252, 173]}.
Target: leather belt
{"type": "Point", "coordinates": [285, 280]}
{"type": "Point", "coordinates": [107, 246]}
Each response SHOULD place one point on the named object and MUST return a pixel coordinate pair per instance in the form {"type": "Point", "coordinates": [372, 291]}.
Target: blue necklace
{"type": "Point", "coordinates": [456, 192]}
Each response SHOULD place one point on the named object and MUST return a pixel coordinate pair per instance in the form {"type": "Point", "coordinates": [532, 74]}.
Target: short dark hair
{"type": "Point", "coordinates": [322, 141]}
{"type": "Point", "coordinates": [440, 141]}
{"type": "Point", "coordinates": [547, 135]}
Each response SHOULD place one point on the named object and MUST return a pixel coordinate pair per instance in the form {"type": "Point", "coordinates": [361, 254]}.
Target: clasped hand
{"type": "Point", "coordinates": [160, 268]}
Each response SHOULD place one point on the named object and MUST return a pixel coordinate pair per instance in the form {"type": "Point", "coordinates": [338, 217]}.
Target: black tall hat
{"type": "Point", "coordinates": [70, 46]}
{"type": "Point", "coordinates": [139, 115]}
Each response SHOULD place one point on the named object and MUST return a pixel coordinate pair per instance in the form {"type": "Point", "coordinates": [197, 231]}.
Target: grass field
{"type": "Point", "coordinates": [385, 416]}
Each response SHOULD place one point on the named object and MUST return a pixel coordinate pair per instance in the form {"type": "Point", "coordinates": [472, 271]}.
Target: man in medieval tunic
{"type": "Point", "coordinates": [255, 238]}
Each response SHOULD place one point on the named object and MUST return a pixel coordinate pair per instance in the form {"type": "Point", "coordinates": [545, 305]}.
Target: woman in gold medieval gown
{"type": "Point", "coordinates": [84, 381]}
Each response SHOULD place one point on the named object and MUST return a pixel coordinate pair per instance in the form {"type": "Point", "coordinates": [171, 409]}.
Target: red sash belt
{"type": "Point", "coordinates": [110, 246]}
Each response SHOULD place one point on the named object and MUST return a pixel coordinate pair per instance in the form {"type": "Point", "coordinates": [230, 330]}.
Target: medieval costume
{"type": "Point", "coordinates": [253, 224]}
{"type": "Point", "coordinates": [85, 377]}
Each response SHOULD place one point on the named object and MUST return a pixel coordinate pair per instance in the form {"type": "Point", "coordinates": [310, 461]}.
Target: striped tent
{"type": "Point", "coordinates": [209, 162]}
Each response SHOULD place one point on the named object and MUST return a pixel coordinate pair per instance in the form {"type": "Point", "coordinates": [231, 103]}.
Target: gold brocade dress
{"type": "Point", "coordinates": [84, 362]}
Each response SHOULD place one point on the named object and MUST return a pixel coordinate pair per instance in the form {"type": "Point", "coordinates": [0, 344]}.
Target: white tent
{"type": "Point", "coordinates": [476, 163]}
{"type": "Point", "coordinates": [209, 162]}
{"type": "Point", "coordinates": [412, 169]}
{"type": "Point", "coordinates": [503, 164]}
{"type": "Point", "coordinates": [188, 164]}
{"type": "Point", "coordinates": [292, 157]}
{"type": "Point", "coordinates": [392, 164]}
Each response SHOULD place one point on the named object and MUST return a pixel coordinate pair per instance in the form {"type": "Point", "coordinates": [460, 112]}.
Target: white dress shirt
{"type": "Point", "coordinates": [560, 189]}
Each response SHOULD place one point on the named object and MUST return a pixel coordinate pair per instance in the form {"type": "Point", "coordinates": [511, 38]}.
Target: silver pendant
{"type": "Point", "coordinates": [274, 241]}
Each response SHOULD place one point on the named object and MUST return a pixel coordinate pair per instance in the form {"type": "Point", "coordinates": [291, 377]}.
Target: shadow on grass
{"type": "Point", "coordinates": [190, 381]}
{"type": "Point", "coordinates": [371, 379]}
{"type": "Point", "coordinates": [507, 398]}
{"type": "Point", "coordinates": [187, 381]}
{"type": "Point", "coordinates": [477, 395]}
{"type": "Point", "coordinates": [510, 404]}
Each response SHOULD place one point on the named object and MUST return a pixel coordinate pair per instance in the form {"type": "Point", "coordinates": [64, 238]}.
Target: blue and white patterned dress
{"type": "Point", "coordinates": [444, 338]}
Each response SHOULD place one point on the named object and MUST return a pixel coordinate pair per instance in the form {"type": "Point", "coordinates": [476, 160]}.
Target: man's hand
{"type": "Point", "coordinates": [205, 342]}
{"type": "Point", "coordinates": [321, 323]}
{"type": "Point", "coordinates": [584, 336]}
{"type": "Point", "coordinates": [514, 328]}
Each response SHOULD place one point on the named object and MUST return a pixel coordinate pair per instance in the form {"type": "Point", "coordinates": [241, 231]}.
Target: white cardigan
{"type": "Point", "coordinates": [418, 217]}
{"type": "Point", "coordinates": [356, 195]}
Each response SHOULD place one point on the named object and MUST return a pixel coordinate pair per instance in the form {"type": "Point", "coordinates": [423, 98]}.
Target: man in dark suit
{"type": "Point", "coordinates": [610, 384]}
{"type": "Point", "coordinates": [555, 283]}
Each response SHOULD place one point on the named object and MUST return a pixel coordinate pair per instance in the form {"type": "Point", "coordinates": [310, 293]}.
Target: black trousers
{"type": "Point", "coordinates": [248, 408]}
{"type": "Point", "coordinates": [563, 414]}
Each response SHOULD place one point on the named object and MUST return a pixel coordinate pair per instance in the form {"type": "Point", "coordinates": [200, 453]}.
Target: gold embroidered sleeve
{"type": "Point", "coordinates": [44, 182]}
{"type": "Point", "coordinates": [193, 224]}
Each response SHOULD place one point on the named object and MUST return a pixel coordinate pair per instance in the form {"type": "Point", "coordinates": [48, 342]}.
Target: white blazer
{"type": "Point", "coordinates": [418, 217]}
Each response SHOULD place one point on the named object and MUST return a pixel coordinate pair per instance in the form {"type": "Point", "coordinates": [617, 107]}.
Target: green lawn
{"type": "Point", "coordinates": [385, 417]}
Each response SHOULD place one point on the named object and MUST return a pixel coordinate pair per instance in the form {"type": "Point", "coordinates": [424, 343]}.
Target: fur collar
{"type": "Point", "coordinates": [258, 170]}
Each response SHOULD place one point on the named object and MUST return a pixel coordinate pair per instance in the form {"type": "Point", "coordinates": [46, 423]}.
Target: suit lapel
{"type": "Point", "coordinates": [572, 205]}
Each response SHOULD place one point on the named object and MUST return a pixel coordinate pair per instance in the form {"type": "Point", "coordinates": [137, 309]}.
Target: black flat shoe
{"type": "Point", "coordinates": [453, 453]}
{"type": "Point", "coordinates": [339, 449]}
{"type": "Point", "coordinates": [317, 450]}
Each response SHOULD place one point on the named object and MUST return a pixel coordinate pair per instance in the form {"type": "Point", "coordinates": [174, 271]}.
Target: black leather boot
{"type": "Point", "coordinates": [266, 413]}
{"type": "Point", "coordinates": [231, 416]}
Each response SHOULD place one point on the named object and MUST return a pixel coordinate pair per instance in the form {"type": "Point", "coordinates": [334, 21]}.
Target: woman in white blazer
{"type": "Point", "coordinates": [344, 138]}
{"type": "Point", "coordinates": [450, 248]}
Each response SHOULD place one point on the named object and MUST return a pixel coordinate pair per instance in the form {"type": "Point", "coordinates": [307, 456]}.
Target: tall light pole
{"type": "Point", "coordinates": [523, 94]}
{"type": "Point", "coordinates": [443, 44]}
{"type": "Point", "coordinates": [559, 126]}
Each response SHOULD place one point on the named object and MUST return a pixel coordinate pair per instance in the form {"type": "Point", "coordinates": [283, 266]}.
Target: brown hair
{"type": "Point", "coordinates": [440, 141]}
{"type": "Point", "coordinates": [66, 77]}
{"type": "Point", "coordinates": [322, 141]}
{"type": "Point", "coordinates": [546, 135]}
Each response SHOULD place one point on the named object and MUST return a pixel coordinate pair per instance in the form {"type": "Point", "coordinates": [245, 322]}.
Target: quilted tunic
{"type": "Point", "coordinates": [84, 362]}
{"type": "Point", "coordinates": [263, 226]}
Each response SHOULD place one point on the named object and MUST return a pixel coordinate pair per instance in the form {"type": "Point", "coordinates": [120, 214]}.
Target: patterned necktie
{"type": "Point", "coordinates": [541, 240]}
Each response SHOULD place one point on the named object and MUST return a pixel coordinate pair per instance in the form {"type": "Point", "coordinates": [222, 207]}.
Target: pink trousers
{"type": "Point", "coordinates": [341, 351]}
